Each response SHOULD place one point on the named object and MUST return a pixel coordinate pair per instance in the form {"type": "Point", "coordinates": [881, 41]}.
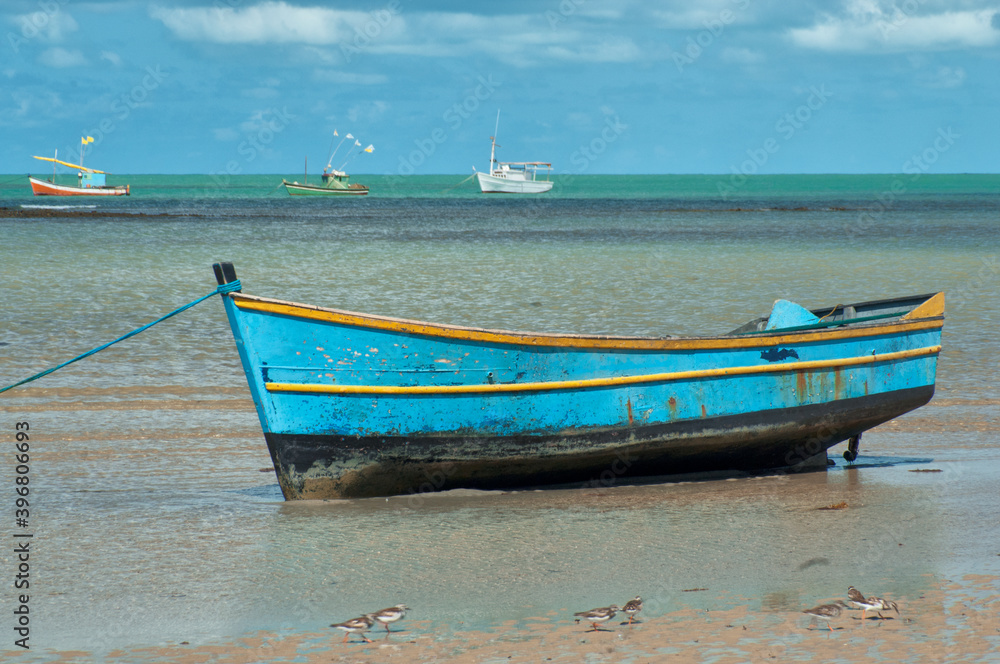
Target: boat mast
{"type": "Point", "coordinates": [493, 138]}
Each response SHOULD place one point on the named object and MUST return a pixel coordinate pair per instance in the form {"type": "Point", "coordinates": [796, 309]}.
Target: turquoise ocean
{"type": "Point", "coordinates": [156, 518]}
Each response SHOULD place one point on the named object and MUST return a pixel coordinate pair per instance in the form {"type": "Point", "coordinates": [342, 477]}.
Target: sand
{"type": "Point", "coordinates": [958, 621]}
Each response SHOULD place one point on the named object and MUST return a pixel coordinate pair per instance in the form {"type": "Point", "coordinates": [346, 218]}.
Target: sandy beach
{"type": "Point", "coordinates": [959, 621]}
{"type": "Point", "coordinates": [945, 619]}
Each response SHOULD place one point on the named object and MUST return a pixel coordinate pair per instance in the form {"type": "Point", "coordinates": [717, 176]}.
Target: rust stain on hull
{"type": "Point", "coordinates": [325, 467]}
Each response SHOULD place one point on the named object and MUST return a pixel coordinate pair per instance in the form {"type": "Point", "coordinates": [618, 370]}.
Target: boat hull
{"type": "Point", "coordinates": [353, 405]}
{"type": "Point", "coordinates": [46, 188]}
{"type": "Point", "coordinates": [296, 189]}
{"type": "Point", "coordinates": [793, 438]}
{"type": "Point", "coordinates": [490, 184]}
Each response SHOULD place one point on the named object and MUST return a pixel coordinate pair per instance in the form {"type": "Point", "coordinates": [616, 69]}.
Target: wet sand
{"type": "Point", "coordinates": [958, 621]}
{"type": "Point", "coordinates": [941, 619]}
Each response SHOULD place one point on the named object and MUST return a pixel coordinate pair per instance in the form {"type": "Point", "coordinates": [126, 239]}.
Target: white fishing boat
{"type": "Point", "coordinates": [513, 177]}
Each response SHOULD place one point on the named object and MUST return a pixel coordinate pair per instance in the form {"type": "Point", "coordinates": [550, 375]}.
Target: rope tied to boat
{"type": "Point", "coordinates": [219, 290]}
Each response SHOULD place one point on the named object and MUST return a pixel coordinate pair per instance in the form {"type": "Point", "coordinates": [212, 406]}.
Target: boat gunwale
{"type": "Point", "coordinates": [462, 333]}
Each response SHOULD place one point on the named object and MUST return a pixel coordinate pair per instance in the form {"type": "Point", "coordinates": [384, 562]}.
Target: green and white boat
{"type": "Point", "coordinates": [335, 183]}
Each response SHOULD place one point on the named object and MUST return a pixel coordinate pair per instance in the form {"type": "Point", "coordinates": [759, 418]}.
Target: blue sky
{"type": "Point", "coordinates": [616, 86]}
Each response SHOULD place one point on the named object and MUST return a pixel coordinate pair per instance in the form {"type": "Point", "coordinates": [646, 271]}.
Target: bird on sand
{"type": "Point", "coordinates": [859, 601]}
{"type": "Point", "coordinates": [826, 612]}
{"type": "Point", "coordinates": [595, 616]}
{"type": "Point", "coordinates": [390, 615]}
{"type": "Point", "coordinates": [358, 625]}
{"type": "Point", "coordinates": [880, 604]}
{"type": "Point", "coordinates": [632, 607]}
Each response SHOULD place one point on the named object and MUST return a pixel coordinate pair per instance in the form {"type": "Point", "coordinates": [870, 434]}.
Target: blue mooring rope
{"type": "Point", "coordinates": [220, 290]}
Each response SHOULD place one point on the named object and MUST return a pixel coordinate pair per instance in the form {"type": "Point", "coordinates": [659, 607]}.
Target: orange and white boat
{"type": "Point", "coordinates": [90, 181]}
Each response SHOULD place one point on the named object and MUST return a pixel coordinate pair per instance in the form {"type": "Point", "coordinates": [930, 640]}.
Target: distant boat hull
{"type": "Point", "coordinates": [491, 184]}
{"type": "Point", "coordinates": [296, 189]}
{"type": "Point", "coordinates": [356, 405]}
{"type": "Point", "coordinates": [46, 188]}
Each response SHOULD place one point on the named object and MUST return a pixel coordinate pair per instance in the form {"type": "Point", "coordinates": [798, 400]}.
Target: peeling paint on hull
{"type": "Point", "coordinates": [311, 466]}
{"type": "Point", "coordinates": [356, 405]}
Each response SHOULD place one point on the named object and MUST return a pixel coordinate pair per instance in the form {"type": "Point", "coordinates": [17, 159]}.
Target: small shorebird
{"type": "Point", "coordinates": [390, 615]}
{"type": "Point", "coordinates": [632, 607]}
{"type": "Point", "coordinates": [855, 596]}
{"type": "Point", "coordinates": [859, 601]}
{"type": "Point", "coordinates": [826, 612]}
{"type": "Point", "coordinates": [358, 625]}
{"type": "Point", "coordinates": [595, 616]}
{"type": "Point", "coordinates": [879, 605]}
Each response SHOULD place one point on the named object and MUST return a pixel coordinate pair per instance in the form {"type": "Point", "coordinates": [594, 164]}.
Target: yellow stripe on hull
{"type": "Point", "coordinates": [615, 381]}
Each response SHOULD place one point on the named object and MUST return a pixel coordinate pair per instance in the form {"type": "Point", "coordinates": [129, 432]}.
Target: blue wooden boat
{"type": "Point", "coordinates": [355, 405]}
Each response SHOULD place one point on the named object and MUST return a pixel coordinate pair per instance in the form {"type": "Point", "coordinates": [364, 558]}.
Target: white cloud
{"type": "Point", "coordinates": [112, 57]}
{"type": "Point", "coordinates": [708, 15]}
{"type": "Point", "coordinates": [60, 58]}
{"type": "Point", "coordinates": [521, 39]}
{"type": "Point", "coordinates": [944, 77]}
{"type": "Point", "coordinates": [49, 26]}
{"type": "Point", "coordinates": [267, 22]}
{"type": "Point", "coordinates": [30, 108]}
{"type": "Point", "coordinates": [877, 25]}
{"type": "Point", "coordinates": [349, 78]}
{"type": "Point", "coordinates": [267, 89]}
{"type": "Point", "coordinates": [368, 113]}
{"type": "Point", "coordinates": [616, 50]}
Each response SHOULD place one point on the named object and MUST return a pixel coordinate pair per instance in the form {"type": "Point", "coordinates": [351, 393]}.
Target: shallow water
{"type": "Point", "coordinates": [154, 524]}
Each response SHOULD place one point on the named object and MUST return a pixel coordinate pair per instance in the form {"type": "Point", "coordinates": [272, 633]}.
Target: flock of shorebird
{"type": "Point", "coordinates": [606, 613]}
{"type": "Point", "coordinates": [830, 611]}
{"type": "Point", "coordinates": [595, 617]}
{"type": "Point", "coordinates": [364, 622]}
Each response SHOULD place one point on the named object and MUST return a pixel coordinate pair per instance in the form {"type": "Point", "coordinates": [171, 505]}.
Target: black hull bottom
{"type": "Point", "coordinates": [317, 467]}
